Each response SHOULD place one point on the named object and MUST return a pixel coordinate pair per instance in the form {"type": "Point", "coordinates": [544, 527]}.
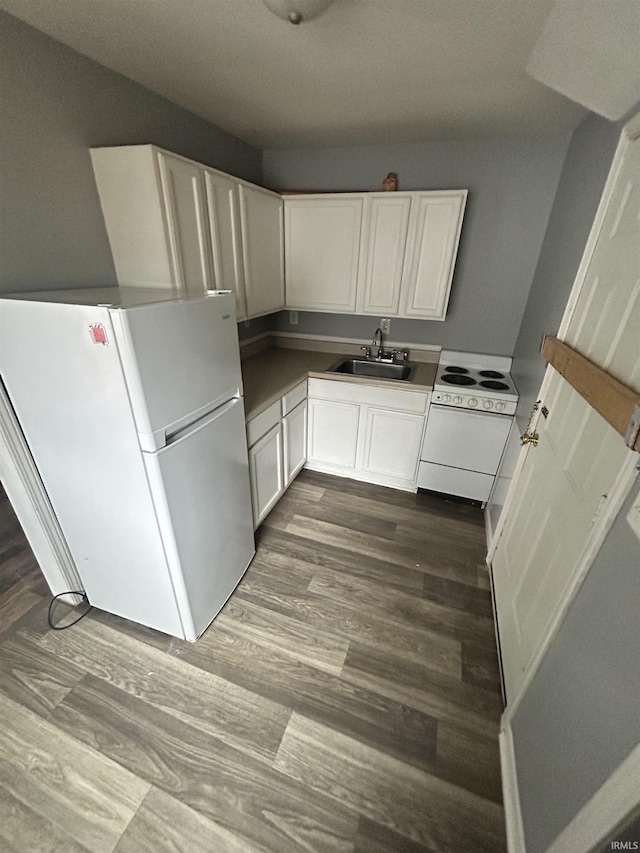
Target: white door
{"type": "Point", "coordinates": [322, 240]}
{"type": "Point", "coordinates": [333, 432]}
{"type": "Point", "coordinates": [226, 240]}
{"type": "Point", "coordinates": [267, 473]}
{"type": "Point", "coordinates": [184, 195]}
{"type": "Point", "coordinates": [435, 233]}
{"type": "Point", "coordinates": [262, 250]}
{"type": "Point", "coordinates": [392, 443]}
{"type": "Point", "coordinates": [200, 488]}
{"type": "Point", "coordinates": [180, 360]}
{"type": "Point", "coordinates": [383, 247]}
{"type": "Point", "coordinates": [294, 427]}
{"type": "Point", "coordinates": [566, 480]}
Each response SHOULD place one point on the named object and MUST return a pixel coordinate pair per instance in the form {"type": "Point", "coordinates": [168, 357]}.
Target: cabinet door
{"type": "Point", "coordinates": [266, 473]}
{"type": "Point", "coordinates": [262, 250]}
{"type": "Point", "coordinates": [185, 204]}
{"type": "Point", "coordinates": [384, 243]}
{"type": "Point", "coordinates": [435, 233]}
{"type": "Point", "coordinates": [226, 240]}
{"type": "Point", "coordinates": [294, 426]}
{"type": "Point", "coordinates": [333, 432]}
{"type": "Point", "coordinates": [322, 240]}
{"type": "Point", "coordinates": [391, 445]}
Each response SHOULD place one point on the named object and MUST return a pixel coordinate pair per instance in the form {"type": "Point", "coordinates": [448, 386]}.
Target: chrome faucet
{"type": "Point", "coordinates": [377, 335]}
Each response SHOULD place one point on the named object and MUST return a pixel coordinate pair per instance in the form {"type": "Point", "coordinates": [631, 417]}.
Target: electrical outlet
{"type": "Point", "coordinates": [385, 325]}
{"type": "Point", "coordinates": [293, 318]}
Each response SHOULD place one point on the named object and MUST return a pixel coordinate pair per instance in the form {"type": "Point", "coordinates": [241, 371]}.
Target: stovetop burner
{"type": "Point", "coordinates": [457, 379]}
{"type": "Point", "coordinates": [495, 386]}
{"type": "Point", "coordinates": [475, 381]}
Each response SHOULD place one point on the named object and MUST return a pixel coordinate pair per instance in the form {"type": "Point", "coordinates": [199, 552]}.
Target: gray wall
{"type": "Point", "coordinates": [511, 185]}
{"type": "Point", "coordinates": [583, 177]}
{"type": "Point", "coordinates": [256, 326]}
{"type": "Point", "coordinates": [579, 718]}
{"type": "Point", "coordinates": [54, 105]}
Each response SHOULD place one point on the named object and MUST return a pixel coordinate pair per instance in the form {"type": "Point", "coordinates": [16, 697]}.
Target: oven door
{"type": "Point", "coordinates": [460, 438]}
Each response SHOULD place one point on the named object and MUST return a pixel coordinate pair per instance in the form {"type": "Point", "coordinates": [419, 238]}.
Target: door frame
{"type": "Point", "coordinates": [31, 504]}
{"type": "Point", "coordinates": [603, 813]}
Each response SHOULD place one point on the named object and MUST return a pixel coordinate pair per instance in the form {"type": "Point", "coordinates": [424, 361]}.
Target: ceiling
{"type": "Point", "coordinates": [365, 72]}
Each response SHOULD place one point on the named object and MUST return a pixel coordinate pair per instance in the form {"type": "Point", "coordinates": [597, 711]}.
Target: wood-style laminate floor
{"type": "Point", "coordinates": [346, 699]}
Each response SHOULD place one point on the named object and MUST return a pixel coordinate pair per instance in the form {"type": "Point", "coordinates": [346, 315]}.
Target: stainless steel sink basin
{"type": "Point", "coordinates": [376, 369]}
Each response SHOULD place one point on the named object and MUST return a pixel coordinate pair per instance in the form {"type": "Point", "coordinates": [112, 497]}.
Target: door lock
{"type": "Point", "coordinates": [530, 438]}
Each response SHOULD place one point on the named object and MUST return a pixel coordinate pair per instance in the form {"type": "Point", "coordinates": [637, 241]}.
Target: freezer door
{"type": "Point", "coordinates": [200, 485]}
{"type": "Point", "coordinates": [180, 359]}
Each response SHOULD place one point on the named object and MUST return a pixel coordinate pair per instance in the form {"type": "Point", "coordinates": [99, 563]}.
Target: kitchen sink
{"type": "Point", "coordinates": [375, 369]}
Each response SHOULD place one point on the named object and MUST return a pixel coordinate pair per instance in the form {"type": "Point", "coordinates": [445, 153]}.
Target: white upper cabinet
{"type": "Point", "coordinates": [322, 248]}
{"type": "Point", "coordinates": [262, 247]}
{"type": "Point", "coordinates": [226, 240]}
{"type": "Point", "coordinates": [434, 234]}
{"type": "Point", "coordinates": [384, 239]}
{"type": "Point", "coordinates": [185, 206]}
{"type": "Point", "coordinates": [132, 200]}
{"type": "Point", "coordinates": [387, 254]}
{"type": "Point", "coordinates": [175, 223]}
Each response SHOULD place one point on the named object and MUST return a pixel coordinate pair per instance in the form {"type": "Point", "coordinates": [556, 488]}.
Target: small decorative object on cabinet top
{"type": "Point", "coordinates": [390, 183]}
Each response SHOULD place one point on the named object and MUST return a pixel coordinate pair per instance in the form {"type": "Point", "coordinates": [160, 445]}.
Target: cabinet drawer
{"type": "Point", "coordinates": [292, 398]}
{"type": "Point", "coordinates": [398, 399]}
{"type": "Point", "coordinates": [262, 423]}
{"type": "Point", "coordinates": [454, 481]}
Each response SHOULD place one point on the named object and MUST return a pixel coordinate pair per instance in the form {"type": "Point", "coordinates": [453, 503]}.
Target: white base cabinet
{"type": "Point", "coordinates": [333, 432]}
{"type": "Point", "coordinates": [266, 471]}
{"type": "Point", "coordinates": [391, 445]}
{"type": "Point", "coordinates": [294, 440]}
{"type": "Point", "coordinates": [366, 432]}
{"type": "Point", "coordinates": [277, 442]}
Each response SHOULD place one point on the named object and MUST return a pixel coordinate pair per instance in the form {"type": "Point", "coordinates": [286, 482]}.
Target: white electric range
{"type": "Point", "coordinates": [472, 407]}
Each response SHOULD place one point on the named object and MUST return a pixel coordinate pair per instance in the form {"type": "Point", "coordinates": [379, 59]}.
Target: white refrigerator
{"type": "Point", "coordinates": [131, 405]}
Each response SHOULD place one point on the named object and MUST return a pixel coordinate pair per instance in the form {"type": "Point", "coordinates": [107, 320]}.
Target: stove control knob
{"type": "Point", "coordinates": [500, 407]}
{"type": "Point", "coordinates": [488, 404]}
{"type": "Point", "coordinates": [446, 398]}
{"type": "Point", "coordinates": [472, 403]}
{"type": "Point", "coordinates": [457, 399]}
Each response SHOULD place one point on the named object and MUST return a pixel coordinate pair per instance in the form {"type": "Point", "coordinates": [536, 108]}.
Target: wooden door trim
{"type": "Point", "coordinates": [618, 403]}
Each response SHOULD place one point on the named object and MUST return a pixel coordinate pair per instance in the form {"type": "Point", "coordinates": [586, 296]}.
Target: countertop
{"type": "Point", "coordinates": [271, 373]}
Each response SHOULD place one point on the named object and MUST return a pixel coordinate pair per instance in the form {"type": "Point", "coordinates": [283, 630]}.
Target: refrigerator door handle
{"type": "Point", "coordinates": [202, 422]}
